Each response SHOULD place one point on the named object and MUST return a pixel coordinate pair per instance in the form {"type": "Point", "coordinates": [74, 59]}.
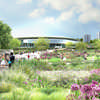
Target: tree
{"type": "Point", "coordinates": [41, 44]}
{"type": "Point", "coordinates": [81, 46]}
{"type": "Point", "coordinates": [69, 44]}
{"type": "Point", "coordinates": [97, 44]}
{"type": "Point", "coordinates": [5, 35]}
{"type": "Point", "coordinates": [81, 39]}
{"type": "Point", "coordinates": [14, 43]}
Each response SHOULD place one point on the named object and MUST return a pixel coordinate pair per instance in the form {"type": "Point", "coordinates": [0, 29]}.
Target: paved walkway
{"type": "Point", "coordinates": [55, 75]}
{"type": "Point", "coordinates": [3, 68]}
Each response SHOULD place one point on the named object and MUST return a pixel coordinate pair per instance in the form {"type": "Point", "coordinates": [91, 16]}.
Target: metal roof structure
{"type": "Point", "coordinates": [65, 38]}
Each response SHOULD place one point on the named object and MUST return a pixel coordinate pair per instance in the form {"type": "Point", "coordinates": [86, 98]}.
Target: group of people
{"type": "Point", "coordinates": [7, 60]}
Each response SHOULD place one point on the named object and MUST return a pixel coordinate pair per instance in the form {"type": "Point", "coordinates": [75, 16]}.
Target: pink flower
{"type": "Point", "coordinates": [75, 87]}
{"type": "Point", "coordinates": [40, 80]}
{"type": "Point", "coordinates": [97, 89]}
{"type": "Point", "coordinates": [25, 83]}
{"type": "Point", "coordinates": [94, 82]}
{"type": "Point", "coordinates": [38, 72]}
{"type": "Point", "coordinates": [86, 79]}
{"type": "Point", "coordinates": [86, 89]}
{"type": "Point", "coordinates": [92, 85]}
{"type": "Point", "coordinates": [35, 79]}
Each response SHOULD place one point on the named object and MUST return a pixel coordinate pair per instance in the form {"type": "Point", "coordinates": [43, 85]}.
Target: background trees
{"type": "Point", "coordinates": [41, 44]}
{"type": "Point", "coordinates": [6, 39]}
{"type": "Point", "coordinates": [69, 44]}
{"type": "Point", "coordinates": [5, 35]}
{"type": "Point", "coordinates": [97, 44]}
{"type": "Point", "coordinates": [81, 46]}
{"type": "Point", "coordinates": [14, 43]}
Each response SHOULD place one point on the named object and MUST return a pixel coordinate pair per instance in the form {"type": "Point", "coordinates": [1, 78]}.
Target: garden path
{"type": "Point", "coordinates": [56, 75]}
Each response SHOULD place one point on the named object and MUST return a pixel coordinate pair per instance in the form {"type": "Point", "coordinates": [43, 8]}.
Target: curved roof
{"type": "Point", "coordinates": [65, 38]}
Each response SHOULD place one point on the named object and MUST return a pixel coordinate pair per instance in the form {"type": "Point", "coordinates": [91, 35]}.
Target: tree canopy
{"type": "Point", "coordinates": [81, 46]}
{"type": "Point", "coordinates": [69, 44]}
{"type": "Point", "coordinates": [41, 44]}
{"type": "Point", "coordinates": [14, 43]}
{"type": "Point", "coordinates": [97, 44]}
{"type": "Point", "coordinates": [5, 35]}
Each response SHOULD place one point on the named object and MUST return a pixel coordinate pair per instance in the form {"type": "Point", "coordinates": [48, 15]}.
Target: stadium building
{"type": "Point", "coordinates": [55, 42]}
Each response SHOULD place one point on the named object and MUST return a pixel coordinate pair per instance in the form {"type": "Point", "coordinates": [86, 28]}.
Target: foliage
{"type": "Point", "coordinates": [81, 46]}
{"type": "Point", "coordinates": [87, 91]}
{"type": "Point", "coordinates": [53, 60]}
{"type": "Point", "coordinates": [5, 35]}
{"type": "Point", "coordinates": [14, 43]}
{"type": "Point", "coordinates": [97, 44]}
{"type": "Point", "coordinates": [5, 87]}
{"type": "Point", "coordinates": [69, 44]}
{"type": "Point", "coordinates": [81, 39]}
{"type": "Point", "coordinates": [41, 44]}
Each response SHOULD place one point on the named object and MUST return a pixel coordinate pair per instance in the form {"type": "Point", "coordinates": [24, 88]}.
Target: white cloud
{"type": "Point", "coordinates": [3, 19]}
{"type": "Point", "coordinates": [98, 1]}
{"type": "Point", "coordinates": [37, 13]}
{"type": "Point", "coordinates": [57, 4]}
{"type": "Point", "coordinates": [84, 8]}
{"type": "Point", "coordinates": [23, 1]}
{"type": "Point", "coordinates": [50, 20]}
{"type": "Point", "coordinates": [90, 15]}
{"type": "Point", "coordinates": [65, 16]}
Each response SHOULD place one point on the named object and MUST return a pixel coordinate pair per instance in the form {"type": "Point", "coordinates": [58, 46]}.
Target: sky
{"type": "Point", "coordinates": [69, 18]}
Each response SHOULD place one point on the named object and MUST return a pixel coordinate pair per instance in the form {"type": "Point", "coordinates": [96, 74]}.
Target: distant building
{"type": "Point", "coordinates": [98, 35]}
{"type": "Point", "coordinates": [55, 42]}
{"type": "Point", "coordinates": [86, 38]}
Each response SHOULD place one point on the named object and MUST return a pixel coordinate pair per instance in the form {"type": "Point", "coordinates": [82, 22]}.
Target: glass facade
{"type": "Point", "coordinates": [53, 42]}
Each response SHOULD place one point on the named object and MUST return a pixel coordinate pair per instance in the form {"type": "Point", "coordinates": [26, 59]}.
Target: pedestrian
{"type": "Point", "coordinates": [28, 56]}
{"type": "Point", "coordinates": [0, 59]}
{"type": "Point", "coordinates": [85, 55]}
{"type": "Point", "coordinates": [3, 61]}
{"type": "Point", "coordinates": [9, 62]}
{"type": "Point", "coordinates": [12, 57]}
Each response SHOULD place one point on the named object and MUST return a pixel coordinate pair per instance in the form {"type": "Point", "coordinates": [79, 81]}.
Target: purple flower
{"type": "Point", "coordinates": [40, 80]}
{"type": "Point", "coordinates": [86, 79]}
{"type": "Point", "coordinates": [38, 72]}
{"type": "Point", "coordinates": [32, 80]}
{"type": "Point", "coordinates": [94, 82]}
{"type": "Point", "coordinates": [75, 87]}
{"type": "Point", "coordinates": [32, 84]}
{"type": "Point", "coordinates": [86, 89]}
{"type": "Point", "coordinates": [92, 85]}
{"type": "Point", "coordinates": [97, 89]}
{"type": "Point", "coordinates": [25, 83]}
{"type": "Point", "coordinates": [35, 79]}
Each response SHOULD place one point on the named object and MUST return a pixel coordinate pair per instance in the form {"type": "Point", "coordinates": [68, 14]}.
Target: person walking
{"type": "Point", "coordinates": [3, 61]}
{"type": "Point", "coordinates": [9, 62]}
{"type": "Point", "coordinates": [0, 59]}
{"type": "Point", "coordinates": [85, 55]}
{"type": "Point", "coordinates": [12, 58]}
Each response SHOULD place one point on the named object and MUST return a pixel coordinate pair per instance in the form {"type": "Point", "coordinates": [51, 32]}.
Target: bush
{"type": "Point", "coordinates": [5, 87]}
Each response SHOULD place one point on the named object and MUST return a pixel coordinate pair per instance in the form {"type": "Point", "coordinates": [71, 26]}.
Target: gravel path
{"type": "Point", "coordinates": [56, 75]}
{"type": "Point", "coordinates": [2, 68]}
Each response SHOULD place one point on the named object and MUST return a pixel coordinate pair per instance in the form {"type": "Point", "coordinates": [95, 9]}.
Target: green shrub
{"type": "Point", "coordinates": [38, 96]}
{"type": "Point", "coordinates": [58, 96]}
{"type": "Point", "coordinates": [54, 60]}
{"type": "Point", "coordinates": [49, 90]}
{"type": "Point", "coordinates": [5, 87]}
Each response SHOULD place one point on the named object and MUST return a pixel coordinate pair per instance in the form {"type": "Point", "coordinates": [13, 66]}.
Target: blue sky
{"type": "Point", "coordinates": [69, 18]}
